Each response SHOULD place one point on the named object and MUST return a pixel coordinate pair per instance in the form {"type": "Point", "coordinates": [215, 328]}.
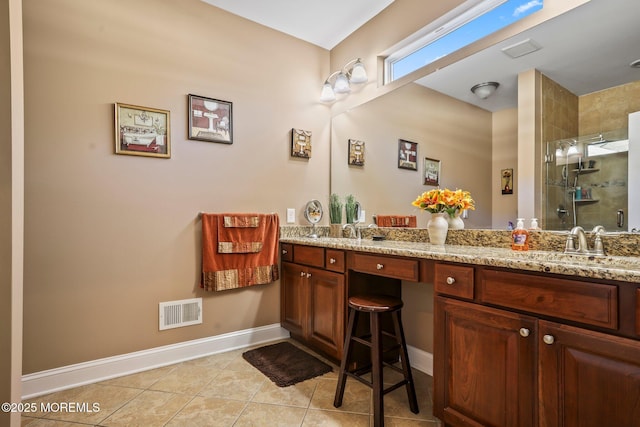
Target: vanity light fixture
{"type": "Point", "coordinates": [354, 72]}
{"type": "Point", "coordinates": [485, 90]}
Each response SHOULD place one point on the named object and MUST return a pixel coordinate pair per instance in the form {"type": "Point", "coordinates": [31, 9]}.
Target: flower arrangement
{"type": "Point", "coordinates": [440, 201]}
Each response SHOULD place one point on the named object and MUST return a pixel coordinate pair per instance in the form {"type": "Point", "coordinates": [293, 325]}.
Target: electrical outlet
{"type": "Point", "coordinates": [291, 215]}
{"type": "Point", "coordinates": [362, 216]}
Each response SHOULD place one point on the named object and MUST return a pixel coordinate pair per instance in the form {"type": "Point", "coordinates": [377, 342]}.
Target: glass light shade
{"type": "Point", "coordinates": [342, 84]}
{"type": "Point", "coordinates": [358, 73]}
{"type": "Point", "coordinates": [484, 90]}
{"type": "Point", "coordinates": [327, 94]}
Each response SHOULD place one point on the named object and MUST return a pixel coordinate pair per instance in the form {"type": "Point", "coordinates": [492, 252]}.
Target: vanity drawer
{"type": "Point", "coordinates": [454, 280]}
{"type": "Point", "coordinates": [334, 260]}
{"type": "Point", "coordinates": [286, 252]}
{"type": "Point", "coordinates": [396, 268]}
{"type": "Point", "coordinates": [309, 255]}
{"type": "Point", "coordinates": [585, 302]}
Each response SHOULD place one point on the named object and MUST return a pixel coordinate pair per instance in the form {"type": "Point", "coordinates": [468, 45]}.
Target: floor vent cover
{"type": "Point", "coordinates": [175, 314]}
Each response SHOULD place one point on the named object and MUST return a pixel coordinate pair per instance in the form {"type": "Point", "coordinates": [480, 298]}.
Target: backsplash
{"type": "Point", "coordinates": [615, 244]}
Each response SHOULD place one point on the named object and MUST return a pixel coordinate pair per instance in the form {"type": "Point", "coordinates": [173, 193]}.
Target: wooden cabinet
{"type": "Point", "coordinates": [312, 302]}
{"type": "Point", "coordinates": [521, 349]}
{"type": "Point", "coordinates": [587, 378]}
{"type": "Point", "coordinates": [484, 372]}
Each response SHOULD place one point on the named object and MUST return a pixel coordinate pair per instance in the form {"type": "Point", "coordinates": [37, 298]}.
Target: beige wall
{"type": "Point", "coordinates": [504, 156]}
{"type": "Point", "coordinates": [609, 109]}
{"type": "Point", "coordinates": [110, 236]}
{"type": "Point", "coordinates": [456, 133]}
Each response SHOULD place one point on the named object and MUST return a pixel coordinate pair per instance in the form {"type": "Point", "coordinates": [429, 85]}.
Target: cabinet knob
{"type": "Point", "coordinates": [308, 275]}
{"type": "Point", "coordinates": [548, 339]}
{"type": "Point", "coordinates": [302, 274]}
{"type": "Point", "coordinates": [379, 266]}
{"type": "Point", "coordinates": [284, 252]}
{"type": "Point", "coordinates": [332, 260]}
{"type": "Point", "coordinates": [451, 280]}
{"type": "Point", "coordinates": [524, 332]}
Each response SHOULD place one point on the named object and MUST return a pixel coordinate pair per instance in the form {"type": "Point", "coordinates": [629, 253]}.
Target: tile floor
{"type": "Point", "coordinates": [225, 390]}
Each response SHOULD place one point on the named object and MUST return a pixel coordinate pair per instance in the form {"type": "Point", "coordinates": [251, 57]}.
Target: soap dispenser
{"type": "Point", "coordinates": [520, 237]}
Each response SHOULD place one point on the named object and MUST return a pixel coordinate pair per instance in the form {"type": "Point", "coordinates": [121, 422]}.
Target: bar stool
{"type": "Point", "coordinates": [376, 305]}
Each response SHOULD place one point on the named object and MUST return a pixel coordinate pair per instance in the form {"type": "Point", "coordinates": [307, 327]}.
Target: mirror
{"type": "Point", "coordinates": [474, 139]}
{"type": "Point", "coordinates": [313, 213]}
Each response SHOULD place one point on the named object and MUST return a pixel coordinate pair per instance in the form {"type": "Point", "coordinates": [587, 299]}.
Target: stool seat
{"type": "Point", "coordinates": [382, 354]}
{"type": "Point", "coordinates": [377, 303]}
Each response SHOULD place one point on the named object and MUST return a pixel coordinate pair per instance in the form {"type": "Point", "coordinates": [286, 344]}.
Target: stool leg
{"type": "Point", "coordinates": [342, 377]}
{"type": "Point", "coordinates": [376, 370]}
{"type": "Point", "coordinates": [404, 359]}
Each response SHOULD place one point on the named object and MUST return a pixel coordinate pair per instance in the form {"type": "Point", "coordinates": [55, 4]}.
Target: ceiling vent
{"type": "Point", "coordinates": [522, 48]}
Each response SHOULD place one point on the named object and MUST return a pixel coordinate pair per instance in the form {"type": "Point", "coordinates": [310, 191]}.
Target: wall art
{"type": "Point", "coordinates": [210, 119]}
{"type": "Point", "coordinates": [300, 143]}
{"type": "Point", "coordinates": [142, 131]}
{"type": "Point", "coordinates": [506, 181]}
{"type": "Point", "coordinates": [407, 155]}
{"type": "Point", "coordinates": [356, 152]}
{"type": "Point", "coordinates": [431, 171]}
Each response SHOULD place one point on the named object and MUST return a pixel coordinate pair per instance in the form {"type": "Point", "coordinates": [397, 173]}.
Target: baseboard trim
{"type": "Point", "coordinates": [420, 360]}
{"type": "Point", "coordinates": [66, 377]}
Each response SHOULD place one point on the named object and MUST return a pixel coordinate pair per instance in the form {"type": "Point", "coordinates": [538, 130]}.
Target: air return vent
{"type": "Point", "coordinates": [175, 314]}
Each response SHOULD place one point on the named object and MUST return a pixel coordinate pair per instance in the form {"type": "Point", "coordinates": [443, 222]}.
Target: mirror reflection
{"type": "Point", "coordinates": [474, 140]}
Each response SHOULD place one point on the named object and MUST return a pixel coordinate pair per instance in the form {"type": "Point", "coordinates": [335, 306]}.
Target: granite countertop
{"type": "Point", "coordinates": [619, 268]}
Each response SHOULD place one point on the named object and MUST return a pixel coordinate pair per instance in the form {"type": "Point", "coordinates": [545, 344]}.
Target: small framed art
{"type": "Point", "coordinates": [506, 181]}
{"type": "Point", "coordinates": [407, 155]}
{"type": "Point", "coordinates": [210, 120]}
{"type": "Point", "coordinates": [356, 152]}
{"type": "Point", "coordinates": [301, 143]}
{"type": "Point", "coordinates": [142, 131]}
{"type": "Point", "coordinates": [431, 171]}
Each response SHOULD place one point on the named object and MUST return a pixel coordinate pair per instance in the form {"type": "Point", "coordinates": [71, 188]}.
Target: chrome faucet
{"type": "Point", "coordinates": [355, 231]}
{"type": "Point", "coordinates": [583, 246]}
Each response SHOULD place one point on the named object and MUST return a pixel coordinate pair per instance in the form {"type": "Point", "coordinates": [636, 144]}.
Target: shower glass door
{"type": "Point", "coordinates": [586, 182]}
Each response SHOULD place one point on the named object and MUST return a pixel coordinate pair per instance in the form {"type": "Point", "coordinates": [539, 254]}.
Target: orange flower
{"type": "Point", "coordinates": [437, 201]}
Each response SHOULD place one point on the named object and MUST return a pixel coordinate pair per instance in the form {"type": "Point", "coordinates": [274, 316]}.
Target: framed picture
{"type": "Point", "coordinates": [142, 131]}
{"type": "Point", "coordinates": [506, 181]}
{"type": "Point", "coordinates": [407, 155]}
{"type": "Point", "coordinates": [210, 120]}
{"type": "Point", "coordinates": [431, 171]}
{"type": "Point", "coordinates": [356, 152]}
{"type": "Point", "coordinates": [301, 143]}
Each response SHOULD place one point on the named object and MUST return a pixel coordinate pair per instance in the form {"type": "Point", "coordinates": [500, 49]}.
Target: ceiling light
{"type": "Point", "coordinates": [485, 90]}
{"type": "Point", "coordinates": [635, 64]}
{"type": "Point", "coordinates": [354, 72]}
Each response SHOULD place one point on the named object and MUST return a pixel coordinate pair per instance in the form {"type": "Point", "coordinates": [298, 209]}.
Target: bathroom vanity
{"type": "Point", "coordinates": [520, 339]}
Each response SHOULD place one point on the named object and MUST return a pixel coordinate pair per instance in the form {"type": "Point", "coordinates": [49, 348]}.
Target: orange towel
{"type": "Point", "coordinates": [396, 221]}
{"type": "Point", "coordinates": [239, 250]}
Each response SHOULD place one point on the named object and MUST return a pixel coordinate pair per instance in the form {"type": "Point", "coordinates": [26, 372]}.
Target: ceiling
{"type": "Point", "coordinates": [585, 50]}
{"type": "Point", "coordinates": [322, 22]}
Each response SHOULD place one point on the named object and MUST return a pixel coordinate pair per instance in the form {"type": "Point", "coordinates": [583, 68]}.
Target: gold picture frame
{"type": "Point", "coordinates": [142, 131]}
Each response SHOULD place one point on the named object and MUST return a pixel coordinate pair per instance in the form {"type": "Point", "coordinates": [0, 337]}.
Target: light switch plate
{"type": "Point", "coordinates": [291, 215]}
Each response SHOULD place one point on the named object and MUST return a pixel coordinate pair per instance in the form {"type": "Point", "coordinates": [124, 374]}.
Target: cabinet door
{"type": "Point", "coordinates": [484, 366]}
{"type": "Point", "coordinates": [587, 379]}
{"type": "Point", "coordinates": [327, 311]}
{"type": "Point", "coordinates": [294, 298]}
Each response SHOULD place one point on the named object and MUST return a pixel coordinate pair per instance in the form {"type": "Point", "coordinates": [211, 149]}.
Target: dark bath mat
{"type": "Point", "coordinates": [285, 364]}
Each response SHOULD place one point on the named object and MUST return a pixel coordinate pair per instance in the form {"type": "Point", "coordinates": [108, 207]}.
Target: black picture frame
{"type": "Point", "coordinates": [210, 119]}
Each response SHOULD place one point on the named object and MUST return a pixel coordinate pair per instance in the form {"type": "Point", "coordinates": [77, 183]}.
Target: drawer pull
{"type": "Point", "coordinates": [302, 274]}
{"type": "Point", "coordinates": [524, 332]}
{"type": "Point", "coordinates": [548, 339]}
{"type": "Point", "coordinates": [308, 275]}
{"type": "Point", "coordinates": [379, 266]}
{"type": "Point", "coordinates": [451, 280]}
{"type": "Point", "coordinates": [332, 260]}
{"type": "Point", "coordinates": [284, 252]}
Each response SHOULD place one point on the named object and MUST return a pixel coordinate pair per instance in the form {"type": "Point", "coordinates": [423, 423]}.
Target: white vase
{"type": "Point", "coordinates": [455, 222]}
{"type": "Point", "coordinates": [438, 228]}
